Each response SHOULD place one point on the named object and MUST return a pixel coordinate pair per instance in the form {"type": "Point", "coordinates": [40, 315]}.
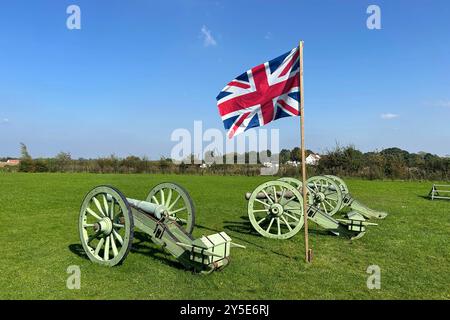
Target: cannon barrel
{"type": "Point", "coordinates": [157, 210]}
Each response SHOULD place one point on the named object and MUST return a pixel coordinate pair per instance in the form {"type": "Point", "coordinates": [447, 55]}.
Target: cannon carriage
{"type": "Point", "coordinates": [108, 219]}
{"type": "Point", "coordinates": [275, 208]}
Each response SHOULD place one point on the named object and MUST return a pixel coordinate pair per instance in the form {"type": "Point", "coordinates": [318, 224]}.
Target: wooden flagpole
{"type": "Point", "coordinates": [308, 252]}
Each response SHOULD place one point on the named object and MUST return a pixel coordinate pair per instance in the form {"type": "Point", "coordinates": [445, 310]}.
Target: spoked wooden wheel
{"type": "Point", "coordinates": [179, 204]}
{"type": "Point", "coordinates": [292, 181]}
{"type": "Point", "coordinates": [106, 226]}
{"type": "Point", "coordinates": [326, 194]}
{"type": "Point", "coordinates": [275, 210]}
{"type": "Point", "coordinates": [340, 182]}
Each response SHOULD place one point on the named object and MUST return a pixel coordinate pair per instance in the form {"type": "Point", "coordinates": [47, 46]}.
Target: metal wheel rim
{"type": "Point", "coordinates": [298, 185]}
{"type": "Point", "coordinates": [292, 181]}
{"type": "Point", "coordinates": [178, 202]}
{"type": "Point", "coordinates": [287, 224]}
{"type": "Point", "coordinates": [112, 248]}
{"type": "Point", "coordinates": [327, 187]}
{"type": "Point", "coordinates": [340, 182]}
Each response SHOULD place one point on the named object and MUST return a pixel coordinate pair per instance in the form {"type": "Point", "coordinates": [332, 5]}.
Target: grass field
{"type": "Point", "coordinates": [39, 240]}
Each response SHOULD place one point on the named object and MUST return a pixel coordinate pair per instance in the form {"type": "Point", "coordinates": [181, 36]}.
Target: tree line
{"type": "Point", "coordinates": [391, 163]}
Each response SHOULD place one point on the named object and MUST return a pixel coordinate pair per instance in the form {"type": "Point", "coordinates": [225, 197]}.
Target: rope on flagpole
{"type": "Point", "coordinates": [308, 251]}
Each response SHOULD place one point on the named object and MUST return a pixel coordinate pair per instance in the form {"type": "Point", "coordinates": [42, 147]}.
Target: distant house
{"type": "Point", "coordinates": [10, 162]}
{"type": "Point", "coordinates": [270, 164]}
{"type": "Point", "coordinates": [292, 163]}
{"type": "Point", "coordinates": [13, 162]}
{"type": "Point", "coordinates": [312, 159]}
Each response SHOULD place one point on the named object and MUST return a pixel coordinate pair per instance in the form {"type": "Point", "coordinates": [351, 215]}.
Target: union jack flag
{"type": "Point", "coordinates": [265, 93]}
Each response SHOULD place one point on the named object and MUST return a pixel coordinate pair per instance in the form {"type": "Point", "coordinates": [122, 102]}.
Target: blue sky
{"type": "Point", "coordinates": [139, 69]}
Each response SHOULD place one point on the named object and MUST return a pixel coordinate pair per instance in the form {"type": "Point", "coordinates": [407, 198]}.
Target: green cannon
{"type": "Point", "coordinates": [326, 189]}
{"type": "Point", "coordinates": [275, 209]}
{"type": "Point", "coordinates": [108, 219]}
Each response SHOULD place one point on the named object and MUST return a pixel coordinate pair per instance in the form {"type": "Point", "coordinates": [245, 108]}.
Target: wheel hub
{"type": "Point", "coordinates": [105, 226]}
{"type": "Point", "coordinates": [276, 209]}
{"type": "Point", "coordinates": [320, 197]}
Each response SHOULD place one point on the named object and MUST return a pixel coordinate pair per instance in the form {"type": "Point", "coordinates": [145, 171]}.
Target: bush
{"type": "Point", "coordinates": [26, 165]}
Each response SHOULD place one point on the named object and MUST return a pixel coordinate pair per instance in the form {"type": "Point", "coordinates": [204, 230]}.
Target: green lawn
{"type": "Point", "coordinates": [39, 240]}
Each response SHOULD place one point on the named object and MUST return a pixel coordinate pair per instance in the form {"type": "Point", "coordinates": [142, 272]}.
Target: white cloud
{"type": "Point", "coordinates": [389, 116]}
{"type": "Point", "coordinates": [4, 121]}
{"type": "Point", "coordinates": [268, 35]}
{"type": "Point", "coordinates": [439, 103]}
{"type": "Point", "coordinates": [208, 39]}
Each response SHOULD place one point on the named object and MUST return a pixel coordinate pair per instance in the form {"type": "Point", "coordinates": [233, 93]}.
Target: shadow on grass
{"type": "Point", "coordinates": [77, 249]}
{"type": "Point", "coordinates": [141, 245]}
{"type": "Point", "coordinates": [244, 227]}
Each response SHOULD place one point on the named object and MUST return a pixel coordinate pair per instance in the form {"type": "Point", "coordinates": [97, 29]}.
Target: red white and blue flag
{"type": "Point", "coordinates": [261, 95]}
